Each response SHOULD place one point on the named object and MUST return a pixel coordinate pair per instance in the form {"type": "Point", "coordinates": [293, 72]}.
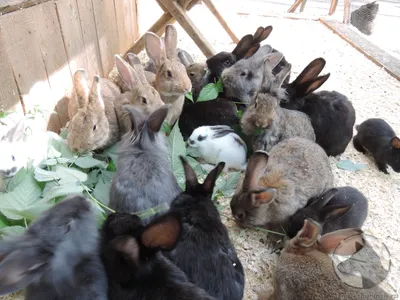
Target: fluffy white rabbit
{"type": "Point", "coordinates": [219, 143]}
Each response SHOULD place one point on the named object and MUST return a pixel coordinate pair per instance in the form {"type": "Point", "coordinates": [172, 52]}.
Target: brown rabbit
{"type": "Point", "coordinates": [197, 74]}
{"type": "Point", "coordinates": [95, 125]}
{"type": "Point", "coordinates": [275, 186]}
{"type": "Point", "coordinates": [274, 123]}
{"type": "Point", "coordinates": [304, 270]}
{"type": "Point", "coordinates": [140, 92]}
{"type": "Point", "coordinates": [172, 81]}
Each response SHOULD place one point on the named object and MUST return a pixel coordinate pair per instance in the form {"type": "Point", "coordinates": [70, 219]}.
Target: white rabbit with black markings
{"type": "Point", "coordinates": [219, 143]}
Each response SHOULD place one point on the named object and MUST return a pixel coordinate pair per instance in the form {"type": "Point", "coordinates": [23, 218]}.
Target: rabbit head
{"type": "Point", "coordinates": [250, 200]}
{"type": "Point", "coordinates": [50, 248]}
{"type": "Point", "coordinates": [245, 78]}
{"type": "Point", "coordinates": [171, 78]}
{"type": "Point", "coordinates": [89, 128]}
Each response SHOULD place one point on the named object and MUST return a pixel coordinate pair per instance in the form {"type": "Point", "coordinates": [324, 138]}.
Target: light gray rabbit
{"type": "Point", "coordinates": [305, 271]}
{"type": "Point", "coordinates": [274, 123]}
{"type": "Point", "coordinates": [57, 257]}
{"type": "Point", "coordinates": [277, 185]}
{"type": "Point", "coordinates": [245, 78]}
{"type": "Point", "coordinates": [144, 177]}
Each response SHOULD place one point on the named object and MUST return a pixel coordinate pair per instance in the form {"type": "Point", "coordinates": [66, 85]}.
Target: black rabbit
{"type": "Point", "coordinates": [336, 209]}
{"type": "Point", "coordinates": [204, 251]}
{"type": "Point", "coordinates": [57, 257]}
{"type": "Point", "coordinates": [135, 268]}
{"type": "Point", "coordinates": [376, 137]}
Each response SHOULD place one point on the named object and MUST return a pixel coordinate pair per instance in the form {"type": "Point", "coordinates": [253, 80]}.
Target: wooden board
{"type": "Point", "coordinates": [124, 10]}
{"type": "Point", "coordinates": [107, 33]}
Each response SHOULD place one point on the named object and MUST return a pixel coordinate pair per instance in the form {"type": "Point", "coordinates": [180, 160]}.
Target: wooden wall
{"type": "Point", "coordinates": [43, 42]}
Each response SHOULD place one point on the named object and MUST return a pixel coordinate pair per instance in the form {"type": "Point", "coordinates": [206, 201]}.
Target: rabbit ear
{"type": "Point", "coordinates": [171, 41]}
{"type": "Point", "coordinates": [258, 33]}
{"type": "Point", "coordinates": [155, 49]}
{"type": "Point", "coordinates": [243, 46]}
{"type": "Point", "coordinates": [16, 133]}
{"type": "Point", "coordinates": [137, 118]}
{"type": "Point", "coordinates": [184, 60]}
{"type": "Point", "coordinates": [209, 182]}
{"type": "Point", "coordinates": [190, 175]}
{"type": "Point", "coordinates": [273, 59]}
{"type": "Point", "coordinates": [281, 76]}
{"type": "Point", "coordinates": [263, 196]}
{"type": "Point", "coordinates": [311, 71]}
{"type": "Point", "coordinates": [395, 142]}
{"type": "Point", "coordinates": [19, 267]}
{"type": "Point", "coordinates": [95, 97]}
{"type": "Point", "coordinates": [262, 52]}
{"type": "Point", "coordinates": [262, 34]}
{"type": "Point", "coordinates": [342, 242]}
{"type": "Point", "coordinates": [310, 86]}
{"type": "Point", "coordinates": [308, 235]}
{"type": "Point", "coordinates": [135, 63]}
{"type": "Point", "coordinates": [163, 232]}
{"type": "Point", "coordinates": [133, 59]}
{"type": "Point", "coordinates": [156, 119]}
{"type": "Point", "coordinates": [126, 72]}
{"type": "Point", "coordinates": [335, 211]}
{"type": "Point", "coordinates": [324, 199]}
{"type": "Point", "coordinates": [255, 169]}
{"type": "Point", "coordinates": [81, 87]}
{"type": "Point", "coordinates": [127, 245]}
{"type": "Point", "coordinates": [251, 51]}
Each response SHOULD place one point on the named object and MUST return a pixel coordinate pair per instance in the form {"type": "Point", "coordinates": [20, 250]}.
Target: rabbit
{"type": "Point", "coordinates": [204, 251]}
{"type": "Point", "coordinates": [140, 92]}
{"type": "Point", "coordinates": [172, 81]}
{"type": "Point", "coordinates": [245, 78]}
{"type": "Point", "coordinates": [219, 144]}
{"type": "Point", "coordinates": [143, 168]}
{"type": "Point", "coordinates": [275, 123]}
{"type": "Point", "coordinates": [375, 136]}
{"type": "Point", "coordinates": [304, 269]}
{"type": "Point", "coordinates": [337, 208]}
{"type": "Point", "coordinates": [136, 269]}
{"type": "Point", "coordinates": [57, 257]}
{"type": "Point", "coordinates": [95, 125]}
{"type": "Point", "coordinates": [332, 114]}
{"type": "Point", "coordinates": [197, 74]}
{"type": "Point", "coordinates": [278, 184]}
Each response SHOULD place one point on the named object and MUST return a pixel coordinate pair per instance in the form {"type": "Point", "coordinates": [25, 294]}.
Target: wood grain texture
{"type": "Point", "coordinates": [126, 18]}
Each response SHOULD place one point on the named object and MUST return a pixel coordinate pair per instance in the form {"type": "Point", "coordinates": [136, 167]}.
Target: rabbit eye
{"type": "Point", "coordinates": [144, 100]}
{"type": "Point", "coordinates": [191, 74]}
{"type": "Point", "coordinates": [13, 157]}
{"type": "Point", "coordinates": [227, 62]}
{"type": "Point", "coordinates": [200, 138]}
{"type": "Point", "coordinates": [94, 127]}
{"type": "Point", "coordinates": [243, 74]}
{"type": "Point", "coordinates": [169, 74]}
{"type": "Point", "coordinates": [68, 228]}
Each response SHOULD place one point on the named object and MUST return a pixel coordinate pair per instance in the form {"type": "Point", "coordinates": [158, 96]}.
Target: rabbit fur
{"type": "Point", "coordinates": [332, 114]}
{"type": "Point", "coordinates": [376, 137]}
{"type": "Point", "coordinates": [143, 169]}
{"type": "Point", "coordinates": [205, 240]}
{"type": "Point", "coordinates": [274, 123]}
{"type": "Point", "coordinates": [57, 257]}
{"type": "Point", "coordinates": [278, 184]}
{"type": "Point", "coordinates": [95, 125]}
{"type": "Point", "coordinates": [140, 93]}
{"type": "Point", "coordinates": [304, 269]}
{"type": "Point", "coordinates": [136, 269]}
{"type": "Point", "coordinates": [172, 81]}
{"type": "Point", "coordinates": [337, 208]}
{"type": "Point", "coordinates": [219, 143]}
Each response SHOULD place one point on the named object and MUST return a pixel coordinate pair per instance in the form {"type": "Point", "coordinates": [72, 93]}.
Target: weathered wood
{"type": "Point", "coordinates": [188, 25]}
{"type": "Point", "coordinates": [221, 20]}
{"type": "Point", "coordinates": [295, 5]}
{"type": "Point", "coordinates": [125, 24]}
{"type": "Point", "coordinates": [346, 14]}
{"type": "Point", "coordinates": [107, 33]}
{"type": "Point", "coordinates": [332, 9]}
{"type": "Point", "coordinates": [89, 34]}
{"type": "Point", "coordinates": [7, 6]}
{"type": "Point", "coordinates": [303, 5]}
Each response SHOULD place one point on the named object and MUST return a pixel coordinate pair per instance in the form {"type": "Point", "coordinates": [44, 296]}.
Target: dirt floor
{"type": "Point", "coordinates": [373, 93]}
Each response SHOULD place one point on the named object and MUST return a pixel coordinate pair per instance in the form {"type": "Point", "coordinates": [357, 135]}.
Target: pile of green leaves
{"type": "Point", "coordinates": [33, 190]}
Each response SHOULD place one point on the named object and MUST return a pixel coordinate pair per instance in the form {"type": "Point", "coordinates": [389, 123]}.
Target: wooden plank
{"type": "Point", "coordinates": [221, 20]}
{"type": "Point", "coordinates": [7, 6]}
{"type": "Point", "coordinates": [125, 24]}
{"type": "Point", "coordinates": [346, 13]}
{"type": "Point", "coordinates": [89, 34]}
{"type": "Point", "coordinates": [9, 94]}
{"type": "Point", "coordinates": [332, 9]}
{"type": "Point", "coordinates": [187, 24]}
{"type": "Point", "coordinates": [135, 15]}
{"type": "Point", "coordinates": [295, 5]}
{"type": "Point", "coordinates": [107, 33]}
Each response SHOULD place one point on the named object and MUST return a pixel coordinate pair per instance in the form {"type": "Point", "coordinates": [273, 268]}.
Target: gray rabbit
{"type": "Point", "coordinates": [57, 257]}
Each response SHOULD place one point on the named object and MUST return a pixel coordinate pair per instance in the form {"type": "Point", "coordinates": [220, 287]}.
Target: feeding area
{"type": "Point", "coordinates": [199, 150]}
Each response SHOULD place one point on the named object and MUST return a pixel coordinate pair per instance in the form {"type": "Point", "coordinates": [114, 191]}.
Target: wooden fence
{"type": "Point", "coordinates": [43, 42]}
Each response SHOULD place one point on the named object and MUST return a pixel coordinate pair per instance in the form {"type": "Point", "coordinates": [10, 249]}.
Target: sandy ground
{"type": "Point", "coordinates": [373, 93]}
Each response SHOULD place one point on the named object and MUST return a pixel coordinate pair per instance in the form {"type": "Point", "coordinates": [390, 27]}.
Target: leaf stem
{"type": "Point", "coordinates": [95, 200]}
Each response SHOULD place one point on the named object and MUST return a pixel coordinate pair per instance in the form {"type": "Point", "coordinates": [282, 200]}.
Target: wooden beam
{"type": "Point", "coordinates": [332, 9]}
{"type": "Point", "coordinates": [221, 20]}
{"type": "Point", "coordinates": [187, 24]}
{"type": "Point", "coordinates": [303, 5]}
{"type": "Point", "coordinates": [346, 14]}
{"type": "Point", "coordinates": [7, 6]}
{"type": "Point", "coordinates": [295, 5]}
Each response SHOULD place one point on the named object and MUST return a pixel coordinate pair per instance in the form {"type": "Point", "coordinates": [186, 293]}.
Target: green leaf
{"type": "Point", "coordinates": [54, 190]}
{"type": "Point", "coordinates": [53, 153]}
{"type": "Point", "coordinates": [3, 221]}
{"type": "Point", "coordinates": [349, 165]}
{"type": "Point", "coordinates": [111, 166]}
{"type": "Point", "coordinates": [61, 146]}
{"type": "Point", "coordinates": [13, 182]}
{"type": "Point", "coordinates": [11, 232]}
{"type": "Point", "coordinates": [240, 114]}
{"type": "Point", "coordinates": [31, 212]}
{"type": "Point", "coordinates": [102, 189]}
{"type": "Point", "coordinates": [226, 186]}
{"type": "Point", "coordinates": [219, 85]}
{"type": "Point", "coordinates": [193, 152]}
{"type": "Point", "coordinates": [68, 175]}
{"type": "Point", "coordinates": [166, 128]}
{"type": "Point", "coordinates": [64, 133]}
{"type": "Point", "coordinates": [177, 148]}
{"type": "Point", "coordinates": [87, 162]}
{"type": "Point", "coordinates": [112, 152]}
{"type": "Point", "coordinates": [258, 131]}
{"type": "Point", "coordinates": [92, 177]}
{"type": "Point", "coordinates": [208, 92]}
{"type": "Point", "coordinates": [189, 96]}
{"type": "Point", "coordinates": [44, 176]}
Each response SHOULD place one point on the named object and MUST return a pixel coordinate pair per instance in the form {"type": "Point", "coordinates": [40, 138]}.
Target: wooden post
{"type": "Point", "coordinates": [346, 15]}
{"type": "Point", "coordinates": [182, 18]}
{"type": "Point", "coordinates": [295, 5]}
{"type": "Point", "coordinates": [221, 20]}
{"type": "Point", "coordinates": [332, 9]}
{"type": "Point", "coordinates": [303, 5]}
